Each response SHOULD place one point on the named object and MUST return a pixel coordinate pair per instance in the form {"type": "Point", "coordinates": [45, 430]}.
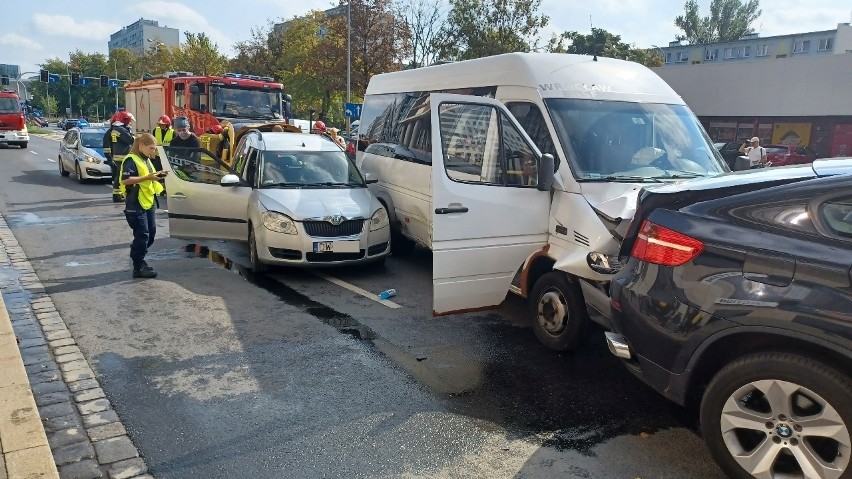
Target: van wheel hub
{"type": "Point", "coordinates": [552, 312]}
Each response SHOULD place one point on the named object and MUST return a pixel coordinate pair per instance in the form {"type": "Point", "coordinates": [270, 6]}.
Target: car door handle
{"type": "Point", "coordinates": [178, 196]}
{"type": "Point", "coordinates": [446, 211]}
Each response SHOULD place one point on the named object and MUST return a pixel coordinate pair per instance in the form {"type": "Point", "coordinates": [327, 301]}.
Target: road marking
{"type": "Point", "coordinates": [51, 160]}
{"type": "Point", "coordinates": [355, 289]}
{"type": "Point", "coordinates": [31, 151]}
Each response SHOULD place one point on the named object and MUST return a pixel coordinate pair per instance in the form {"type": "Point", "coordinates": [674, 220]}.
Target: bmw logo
{"type": "Point", "coordinates": [784, 430]}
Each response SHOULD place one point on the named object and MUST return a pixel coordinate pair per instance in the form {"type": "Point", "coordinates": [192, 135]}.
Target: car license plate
{"type": "Point", "coordinates": [336, 246]}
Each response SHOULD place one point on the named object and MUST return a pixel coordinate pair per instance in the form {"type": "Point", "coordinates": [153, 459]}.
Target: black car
{"type": "Point", "coordinates": [739, 301]}
{"type": "Point", "coordinates": [69, 123]}
{"type": "Point", "coordinates": [730, 151]}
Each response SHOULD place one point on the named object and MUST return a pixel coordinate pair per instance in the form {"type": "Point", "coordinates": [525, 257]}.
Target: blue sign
{"type": "Point", "coordinates": [113, 83]}
{"type": "Point", "coordinates": [53, 78]}
{"type": "Point", "coordinates": [352, 110]}
{"type": "Point", "coordinates": [85, 81]}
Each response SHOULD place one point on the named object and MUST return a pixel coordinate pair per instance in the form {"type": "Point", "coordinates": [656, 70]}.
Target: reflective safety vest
{"type": "Point", "coordinates": [148, 189]}
{"type": "Point", "coordinates": [164, 141]}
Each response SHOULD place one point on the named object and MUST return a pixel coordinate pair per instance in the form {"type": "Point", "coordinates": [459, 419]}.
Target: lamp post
{"type": "Point", "coordinates": [662, 53]}
{"type": "Point", "coordinates": [348, 62]}
{"type": "Point", "coordinates": [68, 69]}
{"type": "Point", "coordinates": [115, 65]}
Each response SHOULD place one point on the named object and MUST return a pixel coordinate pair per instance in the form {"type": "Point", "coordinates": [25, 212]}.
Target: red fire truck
{"type": "Point", "coordinates": [206, 100]}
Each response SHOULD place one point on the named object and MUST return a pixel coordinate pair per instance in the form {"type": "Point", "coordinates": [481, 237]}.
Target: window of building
{"type": "Point", "coordinates": [682, 57]}
{"type": "Point", "coordinates": [711, 54]}
{"type": "Point", "coordinates": [746, 52]}
{"type": "Point", "coordinates": [762, 50]}
{"type": "Point", "coordinates": [729, 53]}
{"type": "Point", "coordinates": [668, 57]}
{"type": "Point", "coordinates": [802, 46]}
{"type": "Point", "coordinates": [825, 44]}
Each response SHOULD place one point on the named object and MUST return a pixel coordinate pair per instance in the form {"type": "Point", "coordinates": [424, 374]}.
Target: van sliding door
{"type": "Point", "coordinates": [488, 216]}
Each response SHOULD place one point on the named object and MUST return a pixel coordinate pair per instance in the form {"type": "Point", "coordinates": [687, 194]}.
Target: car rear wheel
{"type": "Point", "coordinates": [257, 266]}
{"type": "Point", "coordinates": [62, 170]}
{"type": "Point", "coordinates": [779, 415]}
{"type": "Point", "coordinates": [79, 173]}
{"type": "Point", "coordinates": [560, 319]}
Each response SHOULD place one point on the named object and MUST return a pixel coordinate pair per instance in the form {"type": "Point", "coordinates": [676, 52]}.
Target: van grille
{"type": "Point", "coordinates": [324, 229]}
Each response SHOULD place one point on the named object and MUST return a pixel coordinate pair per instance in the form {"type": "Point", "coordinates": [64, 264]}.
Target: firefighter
{"type": "Point", "coordinates": [120, 141]}
{"type": "Point", "coordinates": [319, 127]}
{"type": "Point", "coordinates": [163, 133]}
{"type": "Point", "coordinates": [213, 140]}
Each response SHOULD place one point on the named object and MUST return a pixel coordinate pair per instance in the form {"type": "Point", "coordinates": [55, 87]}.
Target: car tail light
{"type": "Point", "coordinates": [659, 245]}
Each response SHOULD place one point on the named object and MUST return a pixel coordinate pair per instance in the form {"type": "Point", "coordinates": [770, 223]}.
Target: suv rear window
{"type": "Point", "coordinates": [9, 105]}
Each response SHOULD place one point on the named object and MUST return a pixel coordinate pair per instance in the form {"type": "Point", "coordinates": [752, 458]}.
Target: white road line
{"type": "Point", "coordinates": [33, 152]}
{"type": "Point", "coordinates": [355, 289]}
{"type": "Point", "coordinates": [51, 160]}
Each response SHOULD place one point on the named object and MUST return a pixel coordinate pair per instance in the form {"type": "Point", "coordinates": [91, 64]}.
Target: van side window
{"type": "Point", "coordinates": [530, 117]}
{"type": "Point", "coordinates": [481, 145]}
{"type": "Point", "coordinates": [398, 125]}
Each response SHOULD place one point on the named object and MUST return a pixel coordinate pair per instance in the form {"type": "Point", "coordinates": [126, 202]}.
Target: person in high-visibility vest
{"type": "Point", "coordinates": [140, 186]}
{"type": "Point", "coordinates": [120, 140]}
{"type": "Point", "coordinates": [163, 133]}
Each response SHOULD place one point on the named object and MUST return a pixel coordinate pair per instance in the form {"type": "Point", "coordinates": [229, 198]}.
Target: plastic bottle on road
{"type": "Point", "coordinates": [390, 293]}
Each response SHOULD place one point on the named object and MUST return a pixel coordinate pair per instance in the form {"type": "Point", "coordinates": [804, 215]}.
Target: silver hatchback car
{"type": "Point", "coordinates": [295, 198]}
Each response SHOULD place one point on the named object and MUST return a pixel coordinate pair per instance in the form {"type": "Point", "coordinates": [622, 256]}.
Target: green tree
{"type": "Point", "coordinates": [199, 55]}
{"type": "Point", "coordinates": [728, 20]}
{"type": "Point", "coordinates": [478, 28]}
{"type": "Point", "coordinates": [603, 43]}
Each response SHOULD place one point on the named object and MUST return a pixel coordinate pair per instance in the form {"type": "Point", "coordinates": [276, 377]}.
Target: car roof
{"type": "Point", "coordinates": [281, 141]}
{"type": "Point", "coordinates": [91, 130]}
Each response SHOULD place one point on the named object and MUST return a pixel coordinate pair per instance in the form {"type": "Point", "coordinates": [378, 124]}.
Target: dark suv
{"type": "Point", "coordinates": [741, 303]}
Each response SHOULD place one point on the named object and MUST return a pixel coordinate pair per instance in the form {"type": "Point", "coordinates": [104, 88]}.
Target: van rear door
{"type": "Point", "coordinates": [488, 216]}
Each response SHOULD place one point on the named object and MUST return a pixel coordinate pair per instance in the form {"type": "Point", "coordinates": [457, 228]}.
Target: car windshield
{"type": "Point", "coordinates": [9, 105]}
{"type": "Point", "coordinates": [243, 103]}
{"type": "Point", "coordinates": [308, 168]}
{"type": "Point", "coordinates": [92, 139]}
{"type": "Point", "coordinates": [608, 140]}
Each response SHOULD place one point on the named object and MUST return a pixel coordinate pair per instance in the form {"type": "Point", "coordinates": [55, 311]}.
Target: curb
{"type": "Point", "coordinates": [77, 430]}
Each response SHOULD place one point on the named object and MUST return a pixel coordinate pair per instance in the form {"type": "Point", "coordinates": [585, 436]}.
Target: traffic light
{"type": "Point", "coordinates": [104, 81]}
{"type": "Point", "coordinates": [75, 78]}
{"type": "Point", "coordinates": [44, 75]}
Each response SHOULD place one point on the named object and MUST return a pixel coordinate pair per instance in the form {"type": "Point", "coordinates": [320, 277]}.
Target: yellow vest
{"type": "Point", "coordinates": [158, 135]}
{"type": "Point", "coordinates": [148, 189]}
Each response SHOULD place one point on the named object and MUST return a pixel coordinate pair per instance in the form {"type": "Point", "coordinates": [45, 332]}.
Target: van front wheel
{"type": "Point", "coordinates": [560, 320]}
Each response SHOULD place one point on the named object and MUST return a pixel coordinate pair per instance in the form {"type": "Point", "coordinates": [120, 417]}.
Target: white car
{"type": "Point", "coordinates": [295, 198]}
{"type": "Point", "coordinates": [81, 152]}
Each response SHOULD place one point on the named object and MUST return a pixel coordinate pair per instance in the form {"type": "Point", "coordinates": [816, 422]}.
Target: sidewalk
{"type": "Point", "coordinates": [25, 451]}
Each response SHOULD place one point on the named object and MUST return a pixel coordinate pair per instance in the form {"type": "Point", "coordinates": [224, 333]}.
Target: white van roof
{"type": "Point", "coordinates": [555, 75]}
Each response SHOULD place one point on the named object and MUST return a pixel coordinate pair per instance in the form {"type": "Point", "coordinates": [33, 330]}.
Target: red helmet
{"type": "Point", "coordinates": [123, 117]}
{"type": "Point", "coordinates": [164, 120]}
{"type": "Point", "coordinates": [319, 125]}
{"type": "Point", "coordinates": [216, 129]}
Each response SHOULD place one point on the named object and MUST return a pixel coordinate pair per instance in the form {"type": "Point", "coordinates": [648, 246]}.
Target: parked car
{"type": "Point", "coordinates": [295, 198]}
{"type": "Point", "coordinates": [81, 151]}
{"type": "Point", "coordinates": [69, 123]}
{"type": "Point", "coordinates": [13, 125]}
{"type": "Point", "coordinates": [730, 151]}
{"type": "Point", "coordinates": [783, 155]}
{"type": "Point", "coordinates": [739, 302]}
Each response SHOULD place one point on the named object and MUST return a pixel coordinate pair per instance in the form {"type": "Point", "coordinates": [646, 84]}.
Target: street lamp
{"type": "Point", "coordinates": [662, 53]}
{"type": "Point", "coordinates": [348, 62]}
{"type": "Point", "coordinates": [115, 65]}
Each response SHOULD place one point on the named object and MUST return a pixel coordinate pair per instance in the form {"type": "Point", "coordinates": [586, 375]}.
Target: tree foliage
{"type": "Point", "coordinates": [200, 55]}
{"type": "Point", "coordinates": [728, 20]}
{"type": "Point", "coordinates": [603, 43]}
{"type": "Point", "coordinates": [479, 28]}
{"type": "Point", "coordinates": [424, 20]}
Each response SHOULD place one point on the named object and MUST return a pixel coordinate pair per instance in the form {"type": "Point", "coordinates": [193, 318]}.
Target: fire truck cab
{"type": "Point", "coordinates": [206, 100]}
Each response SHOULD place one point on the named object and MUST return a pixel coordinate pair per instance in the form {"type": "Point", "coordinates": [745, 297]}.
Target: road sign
{"type": "Point", "coordinates": [352, 110]}
{"type": "Point", "coordinates": [85, 81]}
{"type": "Point", "coordinates": [54, 78]}
{"type": "Point", "coordinates": [113, 83]}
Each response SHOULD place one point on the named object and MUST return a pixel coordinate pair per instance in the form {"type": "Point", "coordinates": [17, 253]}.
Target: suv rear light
{"type": "Point", "coordinates": [658, 245]}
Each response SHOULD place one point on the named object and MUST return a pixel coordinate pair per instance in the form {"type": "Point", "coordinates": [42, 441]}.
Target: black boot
{"type": "Point", "coordinates": [144, 273]}
{"type": "Point", "coordinates": [146, 267]}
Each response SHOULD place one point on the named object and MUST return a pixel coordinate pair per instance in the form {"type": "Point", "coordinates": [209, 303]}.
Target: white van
{"type": "Point", "coordinates": [469, 176]}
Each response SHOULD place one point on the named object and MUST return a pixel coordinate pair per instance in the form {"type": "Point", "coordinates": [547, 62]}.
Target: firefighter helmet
{"type": "Point", "coordinates": [319, 126]}
{"type": "Point", "coordinates": [164, 120]}
{"type": "Point", "coordinates": [216, 129]}
{"type": "Point", "coordinates": [123, 117]}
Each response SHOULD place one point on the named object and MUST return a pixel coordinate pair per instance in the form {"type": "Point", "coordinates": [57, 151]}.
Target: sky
{"type": "Point", "coordinates": [46, 29]}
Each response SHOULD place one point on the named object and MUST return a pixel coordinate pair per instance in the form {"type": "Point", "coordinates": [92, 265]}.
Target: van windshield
{"type": "Point", "coordinates": [608, 140]}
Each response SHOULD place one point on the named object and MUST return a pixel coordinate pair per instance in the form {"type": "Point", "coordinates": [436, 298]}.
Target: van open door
{"type": "Point", "coordinates": [489, 210]}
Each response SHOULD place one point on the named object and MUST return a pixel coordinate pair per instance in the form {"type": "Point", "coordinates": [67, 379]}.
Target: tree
{"type": "Point", "coordinates": [603, 43]}
{"type": "Point", "coordinates": [728, 20]}
{"type": "Point", "coordinates": [478, 28]}
{"type": "Point", "coordinates": [424, 20]}
{"type": "Point", "coordinates": [200, 55]}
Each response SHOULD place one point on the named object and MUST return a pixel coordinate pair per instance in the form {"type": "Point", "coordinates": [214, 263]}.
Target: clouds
{"type": "Point", "coordinates": [66, 26]}
{"type": "Point", "coordinates": [19, 41]}
{"type": "Point", "coordinates": [186, 19]}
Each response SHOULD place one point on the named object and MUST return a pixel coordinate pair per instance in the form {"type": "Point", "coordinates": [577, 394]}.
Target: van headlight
{"type": "Point", "coordinates": [379, 219]}
{"type": "Point", "coordinates": [278, 223]}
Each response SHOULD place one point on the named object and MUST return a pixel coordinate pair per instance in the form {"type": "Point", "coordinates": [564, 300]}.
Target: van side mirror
{"type": "Point", "coordinates": [546, 166]}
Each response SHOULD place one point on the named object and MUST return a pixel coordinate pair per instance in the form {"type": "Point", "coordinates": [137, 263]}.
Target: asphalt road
{"type": "Point", "coordinates": [219, 374]}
